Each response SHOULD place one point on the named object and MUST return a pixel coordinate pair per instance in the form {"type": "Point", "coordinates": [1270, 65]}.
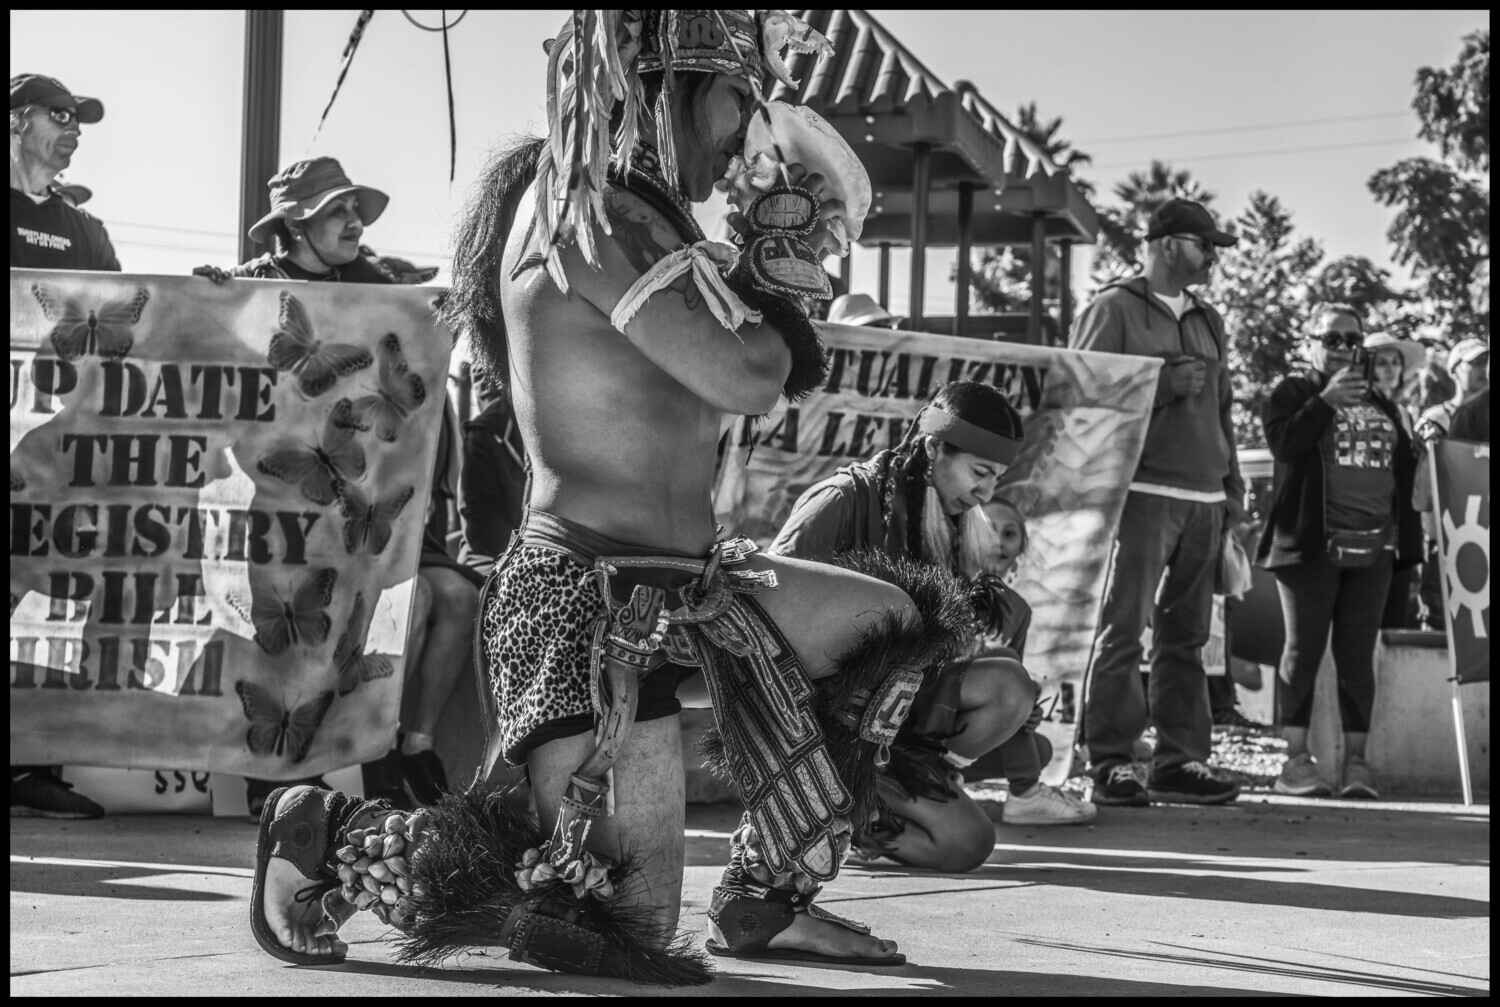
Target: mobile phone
{"type": "Point", "coordinates": [1364, 362]}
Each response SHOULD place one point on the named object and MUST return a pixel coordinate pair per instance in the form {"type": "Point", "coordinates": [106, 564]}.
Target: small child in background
{"type": "Point", "coordinates": [994, 538]}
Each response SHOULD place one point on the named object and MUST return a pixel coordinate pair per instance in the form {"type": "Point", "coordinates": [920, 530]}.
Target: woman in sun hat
{"type": "Point", "coordinates": [317, 219]}
{"type": "Point", "coordinates": [315, 228]}
{"type": "Point", "coordinates": [1397, 362]}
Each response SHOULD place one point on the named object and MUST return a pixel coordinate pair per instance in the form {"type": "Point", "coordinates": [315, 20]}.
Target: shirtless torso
{"type": "Point", "coordinates": [622, 430]}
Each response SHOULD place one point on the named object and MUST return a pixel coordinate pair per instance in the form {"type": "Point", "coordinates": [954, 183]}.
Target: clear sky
{"type": "Point", "coordinates": [1305, 106]}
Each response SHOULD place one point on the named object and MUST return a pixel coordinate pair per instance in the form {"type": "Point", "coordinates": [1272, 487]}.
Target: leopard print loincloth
{"type": "Point", "coordinates": [536, 631]}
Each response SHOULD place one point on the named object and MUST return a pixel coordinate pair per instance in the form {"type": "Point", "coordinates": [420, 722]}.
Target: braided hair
{"type": "Point", "coordinates": [909, 467]}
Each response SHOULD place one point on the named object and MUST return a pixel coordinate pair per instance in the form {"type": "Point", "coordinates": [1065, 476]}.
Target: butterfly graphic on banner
{"type": "Point", "coordinates": [78, 332]}
{"type": "Point", "coordinates": [317, 365]}
{"type": "Point", "coordinates": [368, 522]}
{"type": "Point", "coordinates": [280, 623]}
{"type": "Point", "coordinates": [399, 394]}
{"type": "Point", "coordinates": [353, 665]}
{"type": "Point", "coordinates": [276, 730]}
{"type": "Point", "coordinates": [320, 469]}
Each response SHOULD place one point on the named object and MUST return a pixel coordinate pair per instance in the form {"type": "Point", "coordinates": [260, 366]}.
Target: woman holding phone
{"type": "Point", "coordinates": [1341, 523]}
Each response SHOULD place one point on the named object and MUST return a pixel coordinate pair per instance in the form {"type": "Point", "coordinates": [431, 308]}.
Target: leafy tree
{"type": "Point", "coordinates": [1262, 286]}
{"type": "Point", "coordinates": [1454, 105]}
{"type": "Point", "coordinates": [1001, 280]}
{"type": "Point", "coordinates": [1442, 223]}
{"type": "Point", "coordinates": [1358, 282]}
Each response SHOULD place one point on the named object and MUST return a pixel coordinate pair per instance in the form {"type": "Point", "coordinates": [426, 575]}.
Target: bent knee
{"type": "Point", "coordinates": [999, 681]}
{"type": "Point", "coordinates": [969, 844]}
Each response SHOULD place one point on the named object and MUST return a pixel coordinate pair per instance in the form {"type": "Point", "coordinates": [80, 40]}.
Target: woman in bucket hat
{"type": "Point", "coordinates": [314, 227]}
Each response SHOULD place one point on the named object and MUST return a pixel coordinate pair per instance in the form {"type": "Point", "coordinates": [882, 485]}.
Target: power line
{"type": "Point", "coordinates": [1254, 127]}
{"type": "Point", "coordinates": [174, 230]}
{"type": "Point", "coordinates": [1259, 153]}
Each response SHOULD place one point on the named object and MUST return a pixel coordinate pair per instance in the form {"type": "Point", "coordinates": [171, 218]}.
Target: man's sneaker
{"type": "Point", "coordinates": [1232, 717]}
{"type": "Point", "coordinates": [1119, 786]}
{"type": "Point", "coordinates": [1044, 805]}
{"type": "Point", "coordinates": [1359, 782]}
{"type": "Point", "coordinates": [1300, 778]}
{"type": "Point", "coordinates": [1190, 783]}
{"type": "Point", "coordinates": [423, 777]}
{"type": "Point", "coordinates": [38, 792]}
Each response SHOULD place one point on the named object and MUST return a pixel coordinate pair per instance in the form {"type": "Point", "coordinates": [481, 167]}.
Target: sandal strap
{"type": "Point", "coordinates": [749, 922]}
{"type": "Point", "coordinates": [817, 912]}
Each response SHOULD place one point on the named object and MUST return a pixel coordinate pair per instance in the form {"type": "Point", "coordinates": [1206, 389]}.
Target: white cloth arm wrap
{"type": "Point", "coordinates": [703, 259]}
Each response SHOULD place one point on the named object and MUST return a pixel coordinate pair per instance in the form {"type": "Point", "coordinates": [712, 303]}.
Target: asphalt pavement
{"type": "Point", "coordinates": [1266, 896]}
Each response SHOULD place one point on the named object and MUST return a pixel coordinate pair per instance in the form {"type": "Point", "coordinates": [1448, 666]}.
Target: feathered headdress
{"type": "Point", "coordinates": [596, 62]}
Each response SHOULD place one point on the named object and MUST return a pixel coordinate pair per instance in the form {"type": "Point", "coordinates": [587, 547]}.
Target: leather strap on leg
{"type": "Point", "coordinates": [754, 904]}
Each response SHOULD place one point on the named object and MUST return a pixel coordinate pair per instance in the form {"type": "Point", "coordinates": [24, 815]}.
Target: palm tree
{"type": "Point", "coordinates": [1059, 150]}
{"type": "Point", "coordinates": [1001, 280]}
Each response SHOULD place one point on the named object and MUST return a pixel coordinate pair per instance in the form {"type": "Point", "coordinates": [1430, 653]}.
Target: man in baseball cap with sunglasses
{"type": "Point", "coordinates": [1187, 493]}
{"type": "Point", "coordinates": [48, 232]}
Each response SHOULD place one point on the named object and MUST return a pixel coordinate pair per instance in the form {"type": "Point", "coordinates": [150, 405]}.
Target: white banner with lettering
{"type": "Point", "coordinates": [1085, 414]}
{"type": "Point", "coordinates": [217, 496]}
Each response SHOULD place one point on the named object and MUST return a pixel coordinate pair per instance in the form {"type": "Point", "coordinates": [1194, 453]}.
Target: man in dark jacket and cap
{"type": "Point", "coordinates": [47, 231]}
{"type": "Point", "coordinates": [1186, 492]}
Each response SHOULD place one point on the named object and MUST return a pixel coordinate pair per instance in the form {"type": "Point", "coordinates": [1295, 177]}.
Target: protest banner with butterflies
{"type": "Point", "coordinates": [217, 495]}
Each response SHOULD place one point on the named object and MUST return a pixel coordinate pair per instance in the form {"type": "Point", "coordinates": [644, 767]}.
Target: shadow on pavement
{"type": "Point", "coordinates": [102, 882]}
{"type": "Point", "coordinates": [1198, 959]}
{"type": "Point", "coordinates": [909, 980]}
{"type": "Point", "coordinates": [1165, 881]}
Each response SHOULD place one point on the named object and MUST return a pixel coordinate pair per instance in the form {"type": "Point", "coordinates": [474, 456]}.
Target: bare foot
{"type": "Point", "coordinates": [287, 901]}
{"type": "Point", "coordinates": [291, 921]}
{"type": "Point", "coordinates": [822, 937]}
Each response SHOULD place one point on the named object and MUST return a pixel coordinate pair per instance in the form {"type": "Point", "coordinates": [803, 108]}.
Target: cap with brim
{"type": "Point", "coordinates": [49, 92]}
{"type": "Point", "coordinates": [1466, 351]}
{"type": "Point", "coordinates": [1413, 354]}
{"type": "Point", "coordinates": [305, 188]}
{"type": "Point", "coordinates": [1185, 216]}
{"type": "Point", "coordinates": [966, 436]}
{"type": "Point", "coordinates": [857, 309]}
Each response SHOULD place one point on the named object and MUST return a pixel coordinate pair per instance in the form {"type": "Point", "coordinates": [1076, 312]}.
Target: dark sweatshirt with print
{"type": "Point", "coordinates": [1190, 440]}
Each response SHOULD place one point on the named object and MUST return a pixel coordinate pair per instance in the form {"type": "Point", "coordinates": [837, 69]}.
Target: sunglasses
{"type": "Point", "coordinates": [63, 116]}
{"type": "Point", "coordinates": [1203, 246]}
{"type": "Point", "coordinates": [1336, 340]}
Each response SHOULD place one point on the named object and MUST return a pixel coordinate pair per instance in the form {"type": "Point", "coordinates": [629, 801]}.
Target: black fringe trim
{"type": "Point", "coordinates": [944, 631]}
{"type": "Point", "coordinates": [464, 893]}
{"type": "Point", "coordinates": [920, 770]}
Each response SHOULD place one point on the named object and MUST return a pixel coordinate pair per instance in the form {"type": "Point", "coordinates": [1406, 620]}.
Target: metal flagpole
{"type": "Point", "coordinates": [1458, 706]}
{"type": "Point", "coordinates": [261, 124]}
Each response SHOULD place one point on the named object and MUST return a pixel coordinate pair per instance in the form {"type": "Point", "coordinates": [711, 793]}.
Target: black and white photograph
{"type": "Point", "coordinates": [752, 503]}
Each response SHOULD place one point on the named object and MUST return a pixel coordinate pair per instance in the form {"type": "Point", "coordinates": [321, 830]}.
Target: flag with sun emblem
{"type": "Point", "coordinates": [1461, 487]}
